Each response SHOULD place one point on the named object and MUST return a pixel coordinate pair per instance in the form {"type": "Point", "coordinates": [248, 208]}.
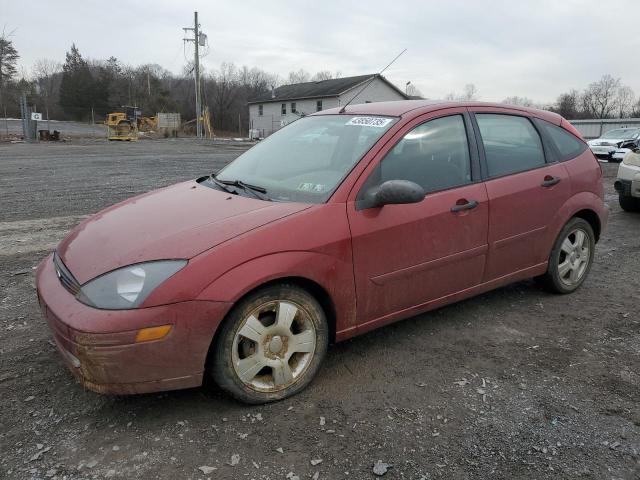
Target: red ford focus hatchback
{"type": "Point", "coordinates": [339, 223]}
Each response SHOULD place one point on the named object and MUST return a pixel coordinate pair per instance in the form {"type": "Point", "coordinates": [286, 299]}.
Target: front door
{"type": "Point", "coordinates": [408, 255]}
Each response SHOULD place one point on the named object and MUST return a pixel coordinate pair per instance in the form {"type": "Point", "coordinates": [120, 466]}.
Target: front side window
{"type": "Point", "coordinates": [283, 109]}
{"type": "Point", "coordinates": [307, 160]}
{"type": "Point", "coordinates": [567, 144]}
{"type": "Point", "coordinates": [318, 105]}
{"type": "Point", "coordinates": [293, 107]}
{"type": "Point", "coordinates": [435, 155]}
{"type": "Point", "coordinates": [511, 143]}
{"type": "Point", "coordinates": [260, 110]}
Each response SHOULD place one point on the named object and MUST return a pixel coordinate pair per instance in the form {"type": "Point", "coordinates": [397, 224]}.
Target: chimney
{"type": "Point", "coordinates": [273, 92]}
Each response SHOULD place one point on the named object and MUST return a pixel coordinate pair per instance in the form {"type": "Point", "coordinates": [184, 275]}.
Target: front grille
{"type": "Point", "coordinates": [64, 275]}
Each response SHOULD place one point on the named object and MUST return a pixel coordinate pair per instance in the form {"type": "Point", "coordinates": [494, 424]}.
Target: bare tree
{"type": "Point", "coordinates": [322, 75]}
{"type": "Point", "coordinates": [325, 75]}
{"type": "Point", "coordinates": [300, 76]}
{"type": "Point", "coordinates": [48, 74]}
{"type": "Point", "coordinates": [413, 91]}
{"type": "Point", "coordinates": [568, 105]}
{"type": "Point", "coordinates": [599, 99]}
{"type": "Point", "coordinates": [521, 101]}
{"type": "Point", "coordinates": [624, 101]}
{"type": "Point", "coordinates": [470, 93]}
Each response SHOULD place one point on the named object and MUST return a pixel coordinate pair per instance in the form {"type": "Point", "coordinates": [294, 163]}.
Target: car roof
{"type": "Point", "coordinates": [414, 108]}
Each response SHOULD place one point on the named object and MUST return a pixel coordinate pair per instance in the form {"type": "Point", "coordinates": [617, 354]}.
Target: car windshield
{"type": "Point", "coordinates": [622, 133]}
{"type": "Point", "coordinates": [306, 160]}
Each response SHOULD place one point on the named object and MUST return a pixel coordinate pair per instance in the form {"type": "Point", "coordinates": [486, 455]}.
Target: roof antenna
{"type": "Point", "coordinates": [370, 81]}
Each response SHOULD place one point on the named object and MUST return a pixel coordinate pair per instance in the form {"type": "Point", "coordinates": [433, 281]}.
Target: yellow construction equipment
{"type": "Point", "coordinates": [123, 125]}
{"type": "Point", "coordinates": [206, 123]}
{"type": "Point", "coordinates": [147, 124]}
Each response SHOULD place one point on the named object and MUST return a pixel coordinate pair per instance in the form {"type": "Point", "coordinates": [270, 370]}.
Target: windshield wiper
{"type": "Point", "coordinates": [221, 184]}
{"type": "Point", "coordinates": [257, 191]}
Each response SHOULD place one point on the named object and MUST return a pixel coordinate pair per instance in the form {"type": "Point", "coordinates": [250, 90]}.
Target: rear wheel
{"type": "Point", "coordinates": [571, 257]}
{"type": "Point", "coordinates": [629, 204]}
{"type": "Point", "coordinates": [271, 345]}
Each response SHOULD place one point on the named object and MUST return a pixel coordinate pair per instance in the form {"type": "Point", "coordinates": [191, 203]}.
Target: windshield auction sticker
{"type": "Point", "coordinates": [378, 122]}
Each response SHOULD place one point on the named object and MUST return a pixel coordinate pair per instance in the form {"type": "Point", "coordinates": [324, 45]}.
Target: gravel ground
{"type": "Point", "coordinates": [13, 127]}
{"type": "Point", "coordinates": [516, 383]}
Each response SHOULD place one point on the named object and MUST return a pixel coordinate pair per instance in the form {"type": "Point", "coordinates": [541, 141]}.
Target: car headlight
{"type": "Point", "coordinates": [128, 287]}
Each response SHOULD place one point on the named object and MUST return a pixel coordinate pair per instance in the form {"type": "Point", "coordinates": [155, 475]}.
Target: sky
{"type": "Point", "coordinates": [536, 49]}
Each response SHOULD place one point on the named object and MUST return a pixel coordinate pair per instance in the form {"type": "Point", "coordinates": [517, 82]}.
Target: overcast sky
{"type": "Point", "coordinates": [537, 49]}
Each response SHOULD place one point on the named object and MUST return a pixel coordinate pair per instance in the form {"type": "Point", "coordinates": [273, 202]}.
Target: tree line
{"type": "Point", "coordinates": [605, 98]}
{"type": "Point", "coordinates": [73, 89]}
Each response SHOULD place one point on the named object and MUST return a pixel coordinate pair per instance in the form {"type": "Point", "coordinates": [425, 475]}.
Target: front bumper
{"type": "Point", "coordinates": [100, 349]}
{"type": "Point", "coordinates": [603, 151]}
{"type": "Point", "coordinates": [628, 182]}
{"type": "Point", "coordinates": [619, 154]}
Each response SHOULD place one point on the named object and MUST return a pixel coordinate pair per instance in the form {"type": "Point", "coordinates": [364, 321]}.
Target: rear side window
{"type": "Point", "coordinates": [511, 144]}
{"type": "Point", "coordinates": [435, 155]}
{"type": "Point", "coordinates": [567, 145]}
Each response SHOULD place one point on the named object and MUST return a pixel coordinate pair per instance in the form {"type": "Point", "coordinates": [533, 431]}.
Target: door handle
{"type": "Point", "coordinates": [464, 204]}
{"type": "Point", "coordinates": [550, 181]}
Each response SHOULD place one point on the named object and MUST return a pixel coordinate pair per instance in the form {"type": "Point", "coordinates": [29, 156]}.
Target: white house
{"type": "Point", "coordinates": [285, 104]}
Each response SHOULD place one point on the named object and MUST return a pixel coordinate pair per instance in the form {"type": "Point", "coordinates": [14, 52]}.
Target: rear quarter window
{"type": "Point", "coordinates": [567, 145]}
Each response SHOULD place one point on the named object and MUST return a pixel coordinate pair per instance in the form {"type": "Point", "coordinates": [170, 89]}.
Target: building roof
{"type": "Point", "coordinates": [320, 89]}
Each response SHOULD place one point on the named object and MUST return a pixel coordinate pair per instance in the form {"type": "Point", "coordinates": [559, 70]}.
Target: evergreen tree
{"type": "Point", "coordinates": [77, 87]}
{"type": "Point", "coordinates": [8, 58]}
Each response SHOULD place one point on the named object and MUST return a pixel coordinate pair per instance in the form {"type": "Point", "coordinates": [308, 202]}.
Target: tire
{"type": "Point", "coordinates": [271, 345]}
{"type": "Point", "coordinates": [629, 204]}
{"type": "Point", "coordinates": [570, 263]}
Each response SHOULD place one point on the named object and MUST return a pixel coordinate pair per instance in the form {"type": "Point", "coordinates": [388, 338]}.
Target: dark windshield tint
{"type": "Point", "coordinates": [306, 160]}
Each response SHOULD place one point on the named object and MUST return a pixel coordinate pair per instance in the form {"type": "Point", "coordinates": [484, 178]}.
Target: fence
{"type": "Point", "coordinates": [595, 128]}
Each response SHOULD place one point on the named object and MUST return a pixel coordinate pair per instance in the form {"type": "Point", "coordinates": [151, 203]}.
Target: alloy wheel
{"type": "Point", "coordinates": [273, 346]}
{"type": "Point", "coordinates": [575, 254]}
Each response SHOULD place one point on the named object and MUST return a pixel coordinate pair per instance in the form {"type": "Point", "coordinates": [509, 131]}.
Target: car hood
{"type": "Point", "coordinates": [179, 221]}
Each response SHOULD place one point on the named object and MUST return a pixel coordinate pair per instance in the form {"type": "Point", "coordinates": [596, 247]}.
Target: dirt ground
{"type": "Point", "coordinates": [516, 383]}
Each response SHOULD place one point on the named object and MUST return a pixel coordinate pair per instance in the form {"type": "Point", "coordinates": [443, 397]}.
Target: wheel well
{"type": "Point", "coordinates": [318, 292]}
{"type": "Point", "coordinates": [591, 217]}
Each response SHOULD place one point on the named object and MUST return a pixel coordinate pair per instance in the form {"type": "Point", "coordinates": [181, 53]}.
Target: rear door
{"type": "Point", "coordinates": [525, 188]}
{"type": "Point", "coordinates": [407, 255]}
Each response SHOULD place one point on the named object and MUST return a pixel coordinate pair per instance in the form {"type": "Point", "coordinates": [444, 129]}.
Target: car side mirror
{"type": "Point", "coordinates": [392, 192]}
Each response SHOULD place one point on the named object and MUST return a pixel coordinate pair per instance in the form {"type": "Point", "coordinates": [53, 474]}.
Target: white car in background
{"type": "Point", "coordinates": [628, 182]}
{"type": "Point", "coordinates": [613, 141]}
{"type": "Point", "coordinates": [625, 147]}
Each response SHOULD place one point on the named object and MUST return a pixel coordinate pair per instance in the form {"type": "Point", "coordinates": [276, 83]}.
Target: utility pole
{"type": "Point", "coordinates": [196, 60]}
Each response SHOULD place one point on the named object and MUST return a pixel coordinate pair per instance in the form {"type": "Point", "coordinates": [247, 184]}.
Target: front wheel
{"type": "Point", "coordinates": [571, 257]}
{"type": "Point", "coordinates": [271, 345]}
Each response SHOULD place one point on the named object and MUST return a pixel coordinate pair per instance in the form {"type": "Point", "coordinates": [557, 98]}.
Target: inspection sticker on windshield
{"type": "Point", "coordinates": [311, 187]}
{"type": "Point", "coordinates": [378, 122]}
